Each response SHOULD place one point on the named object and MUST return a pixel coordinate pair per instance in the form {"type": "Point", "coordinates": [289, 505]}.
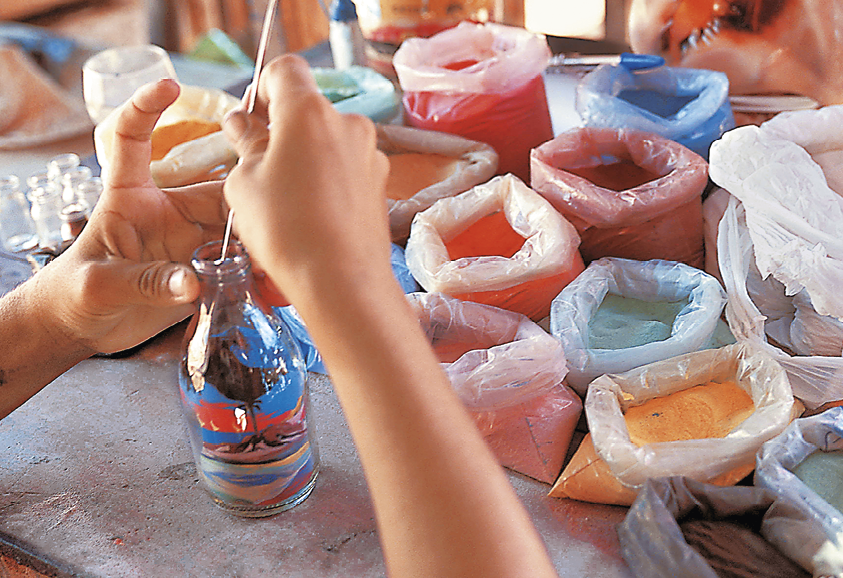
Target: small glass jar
{"type": "Point", "coordinates": [88, 193]}
{"type": "Point", "coordinates": [73, 217]}
{"type": "Point", "coordinates": [61, 164]}
{"type": "Point", "coordinates": [244, 393]}
{"type": "Point", "coordinates": [46, 203]}
{"type": "Point", "coordinates": [17, 228]}
{"type": "Point", "coordinates": [72, 180]}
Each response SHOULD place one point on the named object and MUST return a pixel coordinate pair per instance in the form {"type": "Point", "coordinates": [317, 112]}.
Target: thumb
{"type": "Point", "coordinates": [159, 283]}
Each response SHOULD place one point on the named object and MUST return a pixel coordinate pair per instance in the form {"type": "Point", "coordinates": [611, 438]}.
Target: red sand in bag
{"type": "Point", "coordinates": [512, 122]}
{"type": "Point", "coordinates": [629, 193]}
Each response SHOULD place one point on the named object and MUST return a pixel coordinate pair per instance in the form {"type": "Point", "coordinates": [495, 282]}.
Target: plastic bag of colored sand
{"type": "Point", "coordinates": [509, 374]}
{"type": "Point", "coordinates": [778, 465]}
{"type": "Point", "coordinates": [499, 243]}
{"type": "Point", "coordinates": [629, 193]}
{"type": "Point", "coordinates": [681, 527]}
{"type": "Point", "coordinates": [426, 166]}
{"type": "Point", "coordinates": [670, 309]}
{"type": "Point", "coordinates": [715, 408]}
{"type": "Point", "coordinates": [686, 105]}
{"type": "Point", "coordinates": [483, 82]}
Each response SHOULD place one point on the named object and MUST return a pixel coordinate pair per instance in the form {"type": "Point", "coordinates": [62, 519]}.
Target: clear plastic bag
{"type": "Point", "coordinates": [540, 257]}
{"type": "Point", "coordinates": [482, 82]}
{"type": "Point", "coordinates": [509, 374]}
{"type": "Point", "coordinates": [473, 163]}
{"type": "Point", "coordinates": [811, 528]}
{"type": "Point", "coordinates": [758, 374]}
{"type": "Point", "coordinates": [651, 281]}
{"type": "Point", "coordinates": [781, 234]}
{"type": "Point", "coordinates": [629, 193]}
{"type": "Point", "coordinates": [689, 106]}
{"type": "Point", "coordinates": [653, 544]}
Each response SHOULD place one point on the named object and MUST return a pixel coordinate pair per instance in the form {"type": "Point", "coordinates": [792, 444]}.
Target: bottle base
{"type": "Point", "coordinates": [247, 511]}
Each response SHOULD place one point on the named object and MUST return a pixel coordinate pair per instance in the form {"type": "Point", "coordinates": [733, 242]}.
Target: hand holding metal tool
{"type": "Point", "coordinates": [269, 17]}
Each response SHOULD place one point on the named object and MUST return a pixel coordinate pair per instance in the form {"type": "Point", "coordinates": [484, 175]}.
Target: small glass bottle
{"type": "Point", "coordinates": [16, 225]}
{"type": "Point", "coordinates": [46, 204]}
{"type": "Point", "coordinates": [244, 393]}
{"type": "Point", "coordinates": [61, 164]}
{"type": "Point", "coordinates": [72, 180]}
{"type": "Point", "coordinates": [88, 193]}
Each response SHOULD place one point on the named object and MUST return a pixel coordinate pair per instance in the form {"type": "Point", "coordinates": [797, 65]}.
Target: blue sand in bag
{"type": "Point", "coordinates": [312, 358]}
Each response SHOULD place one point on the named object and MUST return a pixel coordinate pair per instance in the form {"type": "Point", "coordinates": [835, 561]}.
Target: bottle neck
{"type": "Point", "coordinates": [229, 277]}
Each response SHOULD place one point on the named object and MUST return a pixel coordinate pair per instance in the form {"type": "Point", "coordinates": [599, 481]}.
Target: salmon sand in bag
{"type": "Point", "coordinates": [425, 166]}
{"type": "Point", "coordinates": [621, 314]}
{"type": "Point", "coordinates": [499, 243]}
{"type": "Point", "coordinates": [703, 415]}
{"type": "Point", "coordinates": [483, 82]}
{"type": "Point", "coordinates": [629, 194]}
{"type": "Point", "coordinates": [508, 373]}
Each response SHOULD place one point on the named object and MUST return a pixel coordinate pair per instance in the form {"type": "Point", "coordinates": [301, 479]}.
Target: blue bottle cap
{"type": "Point", "coordinates": [343, 11]}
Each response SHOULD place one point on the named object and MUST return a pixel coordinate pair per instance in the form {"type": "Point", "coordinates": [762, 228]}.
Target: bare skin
{"type": "Point", "coordinates": [309, 198]}
{"type": "Point", "coordinates": [125, 279]}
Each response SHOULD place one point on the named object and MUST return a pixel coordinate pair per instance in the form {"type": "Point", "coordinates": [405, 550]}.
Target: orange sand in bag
{"type": "Point", "coordinates": [491, 235]}
{"type": "Point", "coordinates": [411, 172]}
{"type": "Point", "coordinates": [164, 138]}
{"type": "Point", "coordinates": [711, 410]}
{"type": "Point", "coordinates": [617, 176]}
{"type": "Point", "coordinates": [448, 351]}
{"type": "Point", "coordinates": [531, 298]}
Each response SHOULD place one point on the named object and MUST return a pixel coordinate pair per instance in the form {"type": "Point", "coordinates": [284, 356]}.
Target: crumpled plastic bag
{"type": "Point", "coordinates": [689, 106]}
{"type": "Point", "coordinates": [509, 374]}
{"type": "Point", "coordinates": [794, 218]}
{"type": "Point", "coordinates": [482, 82]}
{"type": "Point", "coordinates": [525, 281]}
{"type": "Point", "coordinates": [723, 461]}
{"type": "Point", "coordinates": [653, 544]}
{"type": "Point", "coordinates": [474, 163]}
{"type": "Point", "coordinates": [660, 218]}
{"type": "Point", "coordinates": [202, 159]}
{"type": "Point", "coordinates": [811, 528]}
{"type": "Point", "coordinates": [780, 235]}
{"type": "Point", "coordinates": [651, 281]}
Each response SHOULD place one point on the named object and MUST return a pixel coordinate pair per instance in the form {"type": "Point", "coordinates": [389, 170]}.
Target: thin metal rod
{"type": "Point", "coordinates": [268, 18]}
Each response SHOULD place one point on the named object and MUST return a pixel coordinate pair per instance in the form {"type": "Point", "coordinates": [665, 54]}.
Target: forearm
{"type": "Point", "coordinates": [444, 505]}
{"type": "Point", "coordinates": [35, 351]}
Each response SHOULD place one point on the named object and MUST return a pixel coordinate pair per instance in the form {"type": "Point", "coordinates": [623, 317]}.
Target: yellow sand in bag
{"type": "Point", "coordinates": [710, 410]}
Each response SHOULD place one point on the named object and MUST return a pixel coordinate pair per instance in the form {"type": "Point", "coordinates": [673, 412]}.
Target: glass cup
{"type": "Point", "coordinates": [17, 229]}
{"type": "Point", "coordinates": [110, 77]}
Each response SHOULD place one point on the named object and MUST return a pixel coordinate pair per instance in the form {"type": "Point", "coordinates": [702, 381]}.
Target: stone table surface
{"type": "Point", "coordinates": [97, 479]}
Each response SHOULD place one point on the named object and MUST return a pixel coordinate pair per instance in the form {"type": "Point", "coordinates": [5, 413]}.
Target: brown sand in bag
{"type": "Point", "coordinates": [734, 550]}
{"type": "Point", "coordinates": [711, 410]}
{"type": "Point", "coordinates": [617, 176]}
{"type": "Point", "coordinates": [409, 173]}
{"type": "Point", "coordinates": [491, 235]}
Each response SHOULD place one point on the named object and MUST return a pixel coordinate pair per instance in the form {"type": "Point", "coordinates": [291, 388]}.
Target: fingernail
{"type": "Point", "coordinates": [176, 283]}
